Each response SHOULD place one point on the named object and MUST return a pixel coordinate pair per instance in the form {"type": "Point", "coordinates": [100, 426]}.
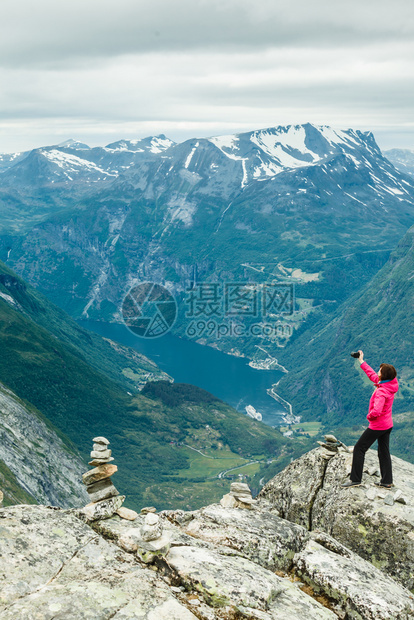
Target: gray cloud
{"type": "Point", "coordinates": [102, 70]}
{"type": "Point", "coordinates": [48, 31]}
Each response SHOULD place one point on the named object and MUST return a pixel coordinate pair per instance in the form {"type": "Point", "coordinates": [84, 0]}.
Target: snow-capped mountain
{"type": "Point", "coordinates": [322, 201]}
{"type": "Point", "coordinates": [76, 162]}
{"type": "Point", "coordinates": [154, 144]}
{"type": "Point", "coordinates": [226, 163]}
{"type": "Point", "coordinates": [47, 166]}
{"type": "Point", "coordinates": [73, 144]}
{"type": "Point", "coordinates": [402, 159]}
{"type": "Point", "coordinates": [275, 150]}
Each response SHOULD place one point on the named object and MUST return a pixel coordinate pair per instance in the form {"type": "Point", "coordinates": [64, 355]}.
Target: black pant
{"type": "Point", "coordinates": [364, 442]}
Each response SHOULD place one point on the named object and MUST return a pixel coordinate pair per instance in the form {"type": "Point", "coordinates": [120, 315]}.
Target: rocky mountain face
{"type": "Point", "coordinates": [42, 464]}
{"type": "Point", "coordinates": [302, 205]}
{"type": "Point", "coordinates": [402, 159]}
{"type": "Point", "coordinates": [262, 562]}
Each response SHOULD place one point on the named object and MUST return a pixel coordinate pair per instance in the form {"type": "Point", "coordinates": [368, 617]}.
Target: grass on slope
{"type": "Point", "coordinates": [118, 362]}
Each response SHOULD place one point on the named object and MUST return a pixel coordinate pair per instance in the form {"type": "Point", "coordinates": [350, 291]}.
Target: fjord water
{"type": "Point", "coordinates": [229, 378]}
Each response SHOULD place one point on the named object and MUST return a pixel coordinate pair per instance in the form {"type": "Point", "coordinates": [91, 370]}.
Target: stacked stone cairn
{"type": "Point", "coordinates": [105, 499]}
{"type": "Point", "coordinates": [148, 541]}
{"type": "Point", "coordinates": [240, 496]}
{"type": "Point", "coordinates": [332, 444]}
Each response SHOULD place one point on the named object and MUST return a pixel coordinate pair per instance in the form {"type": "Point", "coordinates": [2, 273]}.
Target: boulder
{"type": "Point", "coordinates": [101, 510]}
{"type": "Point", "coordinates": [309, 492]}
{"type": "Point", "coordinates": [127, 513]}
{"type": "Point", "coordinates": [236, 585]}
{"type": "Point", "coordinates": [260, 536]}
{"type": "Point", "coordinates": [357, 586]}
{"type": "Point", "coordinates": [228, 564]}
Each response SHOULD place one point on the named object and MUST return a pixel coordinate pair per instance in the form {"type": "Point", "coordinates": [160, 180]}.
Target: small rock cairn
{"type": "Point", "coordinates": [240, 496]}
{"type": "Point", "coordinates": [105, 499]}
{"type": "Point", "coordinates": [148, 541]}
{"type": "Point", "coordinates": [332, 444]}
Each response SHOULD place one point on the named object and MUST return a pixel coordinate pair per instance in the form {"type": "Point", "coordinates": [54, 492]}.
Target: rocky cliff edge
{"type": "Point", "coordinates": [279, 557]}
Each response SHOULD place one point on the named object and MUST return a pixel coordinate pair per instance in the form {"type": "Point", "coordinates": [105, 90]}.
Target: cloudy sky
{"type": "Point", "coordinates": [100, 70]}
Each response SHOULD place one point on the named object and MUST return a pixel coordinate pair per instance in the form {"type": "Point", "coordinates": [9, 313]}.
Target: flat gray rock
{"type": "Point", "coordinates": [104, 509]}
{"type": "Point", "coordinates": [355, 584]}
{"type": "Point", "coordinates": [240, 487]}
{"type": "Point", "coordinates": [101, 461]}
{"type": "Point", "coordinates": [55, 566]}
{"type": "Point", "coordinates": [230, 582]}
{"type": "Point", "coordinates": [101, 454]}
{"type": "Point", "coordinates": [101, 440]}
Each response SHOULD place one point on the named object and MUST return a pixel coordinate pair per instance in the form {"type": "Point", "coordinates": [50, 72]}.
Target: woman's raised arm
{"type": "Point", "coordinates": [371, 374]}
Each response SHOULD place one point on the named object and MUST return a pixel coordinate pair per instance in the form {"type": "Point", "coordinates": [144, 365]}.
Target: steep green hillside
{"type": "Point", "coordinates": [154, 436]}
{"type": "Point", "coordinates": [324, 382]}
{"type": "Point", "coordinates": [122, 364]}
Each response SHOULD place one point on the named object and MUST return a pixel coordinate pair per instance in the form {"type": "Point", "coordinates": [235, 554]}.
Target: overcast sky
{"type": "Point", "coordinates": [100, 70]}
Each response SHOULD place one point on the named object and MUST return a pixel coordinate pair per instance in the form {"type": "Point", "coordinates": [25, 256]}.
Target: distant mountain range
{"type": "Point", "coordinates": [75, 162]}
{"type": "Point", "coordinates": [403, 159]}
{"type": "Point", "coordinates": [303, 205]}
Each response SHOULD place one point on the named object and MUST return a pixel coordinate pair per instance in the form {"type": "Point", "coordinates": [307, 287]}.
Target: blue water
{"type": "Point", "coordinates": [229, 378]}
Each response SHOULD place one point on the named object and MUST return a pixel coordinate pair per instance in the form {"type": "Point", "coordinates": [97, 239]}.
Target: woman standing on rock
{"type": "Point", "coordinates": [380, 424]}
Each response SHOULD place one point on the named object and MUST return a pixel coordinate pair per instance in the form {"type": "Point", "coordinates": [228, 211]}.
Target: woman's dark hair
{"type": "Point", "coordinates": [388, 372]}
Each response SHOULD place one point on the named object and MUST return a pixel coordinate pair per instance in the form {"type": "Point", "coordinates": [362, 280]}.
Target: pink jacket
{"type": "Point", "coordinates": [380, 405]}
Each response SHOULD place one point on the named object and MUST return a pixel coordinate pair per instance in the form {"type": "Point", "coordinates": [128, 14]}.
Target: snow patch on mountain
{"type": "Point", "coordinates": [190, 156]}
{"type": "Point", "coordinates": [160, 144]}
{"type": "Point", "coordinates": [152, 144]}
{"type": "Point", "coordinates": [72, 165]}
{"type": "Point", "coordinates": [74, 144]}
{"type": "Point", "coordinates": [229, 142]}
